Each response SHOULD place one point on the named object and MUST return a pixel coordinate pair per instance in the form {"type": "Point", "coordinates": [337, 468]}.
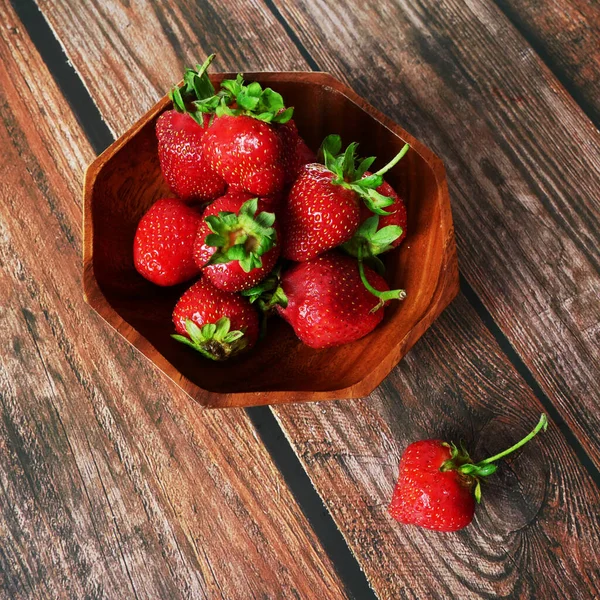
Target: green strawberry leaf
{"type": "Point", "coordinates": [368, 227]}
{"type": "Point", "coordinates": [371, 181]}
{"type": "Point", "coordinates": [270, 100]}
{"type": "Point", "coordinates": [363, 167]}
{"type": "Point", "coordinates": [214, 340]}
{"type": "Point", "coordinates": [242, 237]}
{"type": "Point", "coordinates": [477, 492]}
{"type": "Point", "coordinates": [348, 161]}
{"type": "Point", "coordinates": [332, 144]}
{"type": "Point", "coordinates": [247, 102]}
{"type": "Point", "coordinates": [386, 235]}
{"type": "Point", "coordinates": [215, 240]}
{"type": "Point", "coordinates": [249, 207]}
{"type": "Point", "coordinates": [232, 336]}
{"type": "Point", "coordinates": [194, 331]}
{"type": "Point", "coordinates": [266, 219]}
{"type": "Point", "coordinates": [177, 99]}
{"type": "Point", "coordinates": [284, 116]}
{"type": "Point", "coordinates": [222, 328]}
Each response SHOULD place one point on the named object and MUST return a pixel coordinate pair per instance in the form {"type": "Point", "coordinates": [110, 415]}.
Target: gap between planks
{"type": "Point", "coordinates": [475, 301]}
{"type": "Point", "coordinates": [271, 435]}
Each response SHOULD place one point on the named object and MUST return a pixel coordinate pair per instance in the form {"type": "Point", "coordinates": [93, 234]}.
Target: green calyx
{"type": "Point", "coordinates": [198, 97]}
{"type": "Point", "coordinates": [474, 473]}
{"type": "Point", "coordinates": [268, 293]}
{"type": "Point", "coordinates": [384, 296]}
{"type": "Point", "coordinates": [196, 88]}
{"type": "Point", "coordinates": [373, 241]}
{"type": "Point", "coordinates": [251, 100]}
{"type": "Point", "coordinates": [213, 340]}
{"type": "Point", "coordinates": [349, 171]}
{"type": "Point", "coordinates": [244, 236]}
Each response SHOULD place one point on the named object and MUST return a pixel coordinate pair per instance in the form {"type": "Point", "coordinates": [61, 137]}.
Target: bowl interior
{"type": "Point", "coordinates": [131, 181]}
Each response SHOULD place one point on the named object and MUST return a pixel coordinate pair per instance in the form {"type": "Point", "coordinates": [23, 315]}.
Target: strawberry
{"type": "Point", "coordinates": [326, 302]}
{"type": "Point", "coordinates": [439, 484]}
{"type": "Point", "coordinates": [245, 144]}
{"type": "Point", "coordinates": [296, 152]}
{"type": "Point", "coordinates": [322, 210]}
{"type": "Point", "coordinates": [380, 234]}
{"type": "Point", "coordinates": [164, 243]}
{"type": "Point", "coordinates": [217, 324]}
{"type": "Point", "coordinates": [180, 136]}
{"type": "Point", "coordinates": [236, 244]}
{"type": "Point", "coordinates": [304, 156]}
{"type": "Point", "coordinates": [247, 153]}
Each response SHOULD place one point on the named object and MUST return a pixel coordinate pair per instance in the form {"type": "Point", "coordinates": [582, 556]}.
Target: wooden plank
{"type": "Point", "coordinates": [112, 484]}
{"type": "Point", "coordinates": [540, 517]}
{"type": "Point", "coordinates": [566, 34]}
{"type": "Point", "coordinates": [523, 161]}
{"type": "Point", "coordinates": [536, 532]}
{"type": "Point", "coordinates": [523, 164]}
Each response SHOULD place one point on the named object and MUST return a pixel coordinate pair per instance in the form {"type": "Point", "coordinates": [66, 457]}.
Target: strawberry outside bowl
{"type": "Point", "coordinates": [125, 180]}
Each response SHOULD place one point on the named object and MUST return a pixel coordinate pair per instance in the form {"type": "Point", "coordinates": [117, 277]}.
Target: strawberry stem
{"type": "Point", "coordinates": [542, 424]}
{"type": "Point", "coordinates": [394, 160]}
{"type": "Point", "coordinates": [383, 296]}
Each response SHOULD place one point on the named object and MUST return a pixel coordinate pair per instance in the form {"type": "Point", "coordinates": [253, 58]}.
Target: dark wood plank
{"type": "Point", "coordinates": [112, 484]}
{"type": "Point", "coordinates": [537, 532]}
{"type": "Point", "coordinates": [566, 34]}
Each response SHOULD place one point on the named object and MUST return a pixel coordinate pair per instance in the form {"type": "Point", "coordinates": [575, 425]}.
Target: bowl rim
{"type": "Point", "coordinates": [445, 291]}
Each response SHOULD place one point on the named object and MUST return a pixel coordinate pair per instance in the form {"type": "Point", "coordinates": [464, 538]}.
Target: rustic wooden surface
{"type": "Point", "coordinates": [106, 491]}
{"type": "Point", "coordinates": [523, 165]}
{"type": "Point", "coordinates": [565, 33]}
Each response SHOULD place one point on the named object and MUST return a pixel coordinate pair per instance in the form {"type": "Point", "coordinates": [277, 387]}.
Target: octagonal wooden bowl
{"type": "Point", "coordinates": [123, 182]}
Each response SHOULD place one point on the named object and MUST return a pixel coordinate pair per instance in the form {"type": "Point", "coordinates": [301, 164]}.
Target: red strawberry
{"type": "Point", "coordinates": [236, 244]}
{"type": "Point", "coordinates": [217, 324]}
{"type": "Point", "coordinates": [380, 234]}
{"type": "Point", "coordinates": [439, 483]}
{"type": "Point", "coordinates": [164, 243]}
{"type": "Point", "coordinates": [182, 160]}
{"type": "Point", "coordinates": [322, 210]}
{"type": "Point", "coordinates": [244, 145]}
{"type": "Point", "coordinates": [296, 152]}
{"type": "Point", "coordinates": [180, 134]}
{"type": "Point", "coordinates": [326, 302]}
{"type": "Point", "coordinates": [317, 215]}
{"type": "Point", "coordinates": [247, 153]}
{"type": "Point", "coordinates": [304, 156]}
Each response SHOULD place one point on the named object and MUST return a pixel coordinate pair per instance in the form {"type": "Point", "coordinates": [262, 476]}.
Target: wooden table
{"type": "Point", "coordinates": [115, 485]}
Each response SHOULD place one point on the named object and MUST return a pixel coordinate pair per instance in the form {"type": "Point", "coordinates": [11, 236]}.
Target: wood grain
{"type": "Point", "coordinates": [122, 184]}
{"type": "Point", "coordinates": [541, 514]}
{"type": "Point", "coordinates": [523, 161]}
{"type": "Point", "coordinates": [566, 34]}
{"type": "Point", "coordinates": [536, 533]}
{"type": "Point", "coordinates": [523, 166]}
{"type": "Point", "coordinates": [112, 484]}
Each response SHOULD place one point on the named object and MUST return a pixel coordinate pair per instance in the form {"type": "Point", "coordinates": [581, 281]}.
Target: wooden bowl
{"type": "Point", "coordinates": [123, 182]}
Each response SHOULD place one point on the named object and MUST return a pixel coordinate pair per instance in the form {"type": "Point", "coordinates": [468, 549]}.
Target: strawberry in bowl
{"type": "Point", "coordinates": [236, 243]}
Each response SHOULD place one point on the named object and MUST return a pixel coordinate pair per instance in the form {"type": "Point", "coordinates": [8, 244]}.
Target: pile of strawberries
{"type": "Point", "coordinates": [262, 225]}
